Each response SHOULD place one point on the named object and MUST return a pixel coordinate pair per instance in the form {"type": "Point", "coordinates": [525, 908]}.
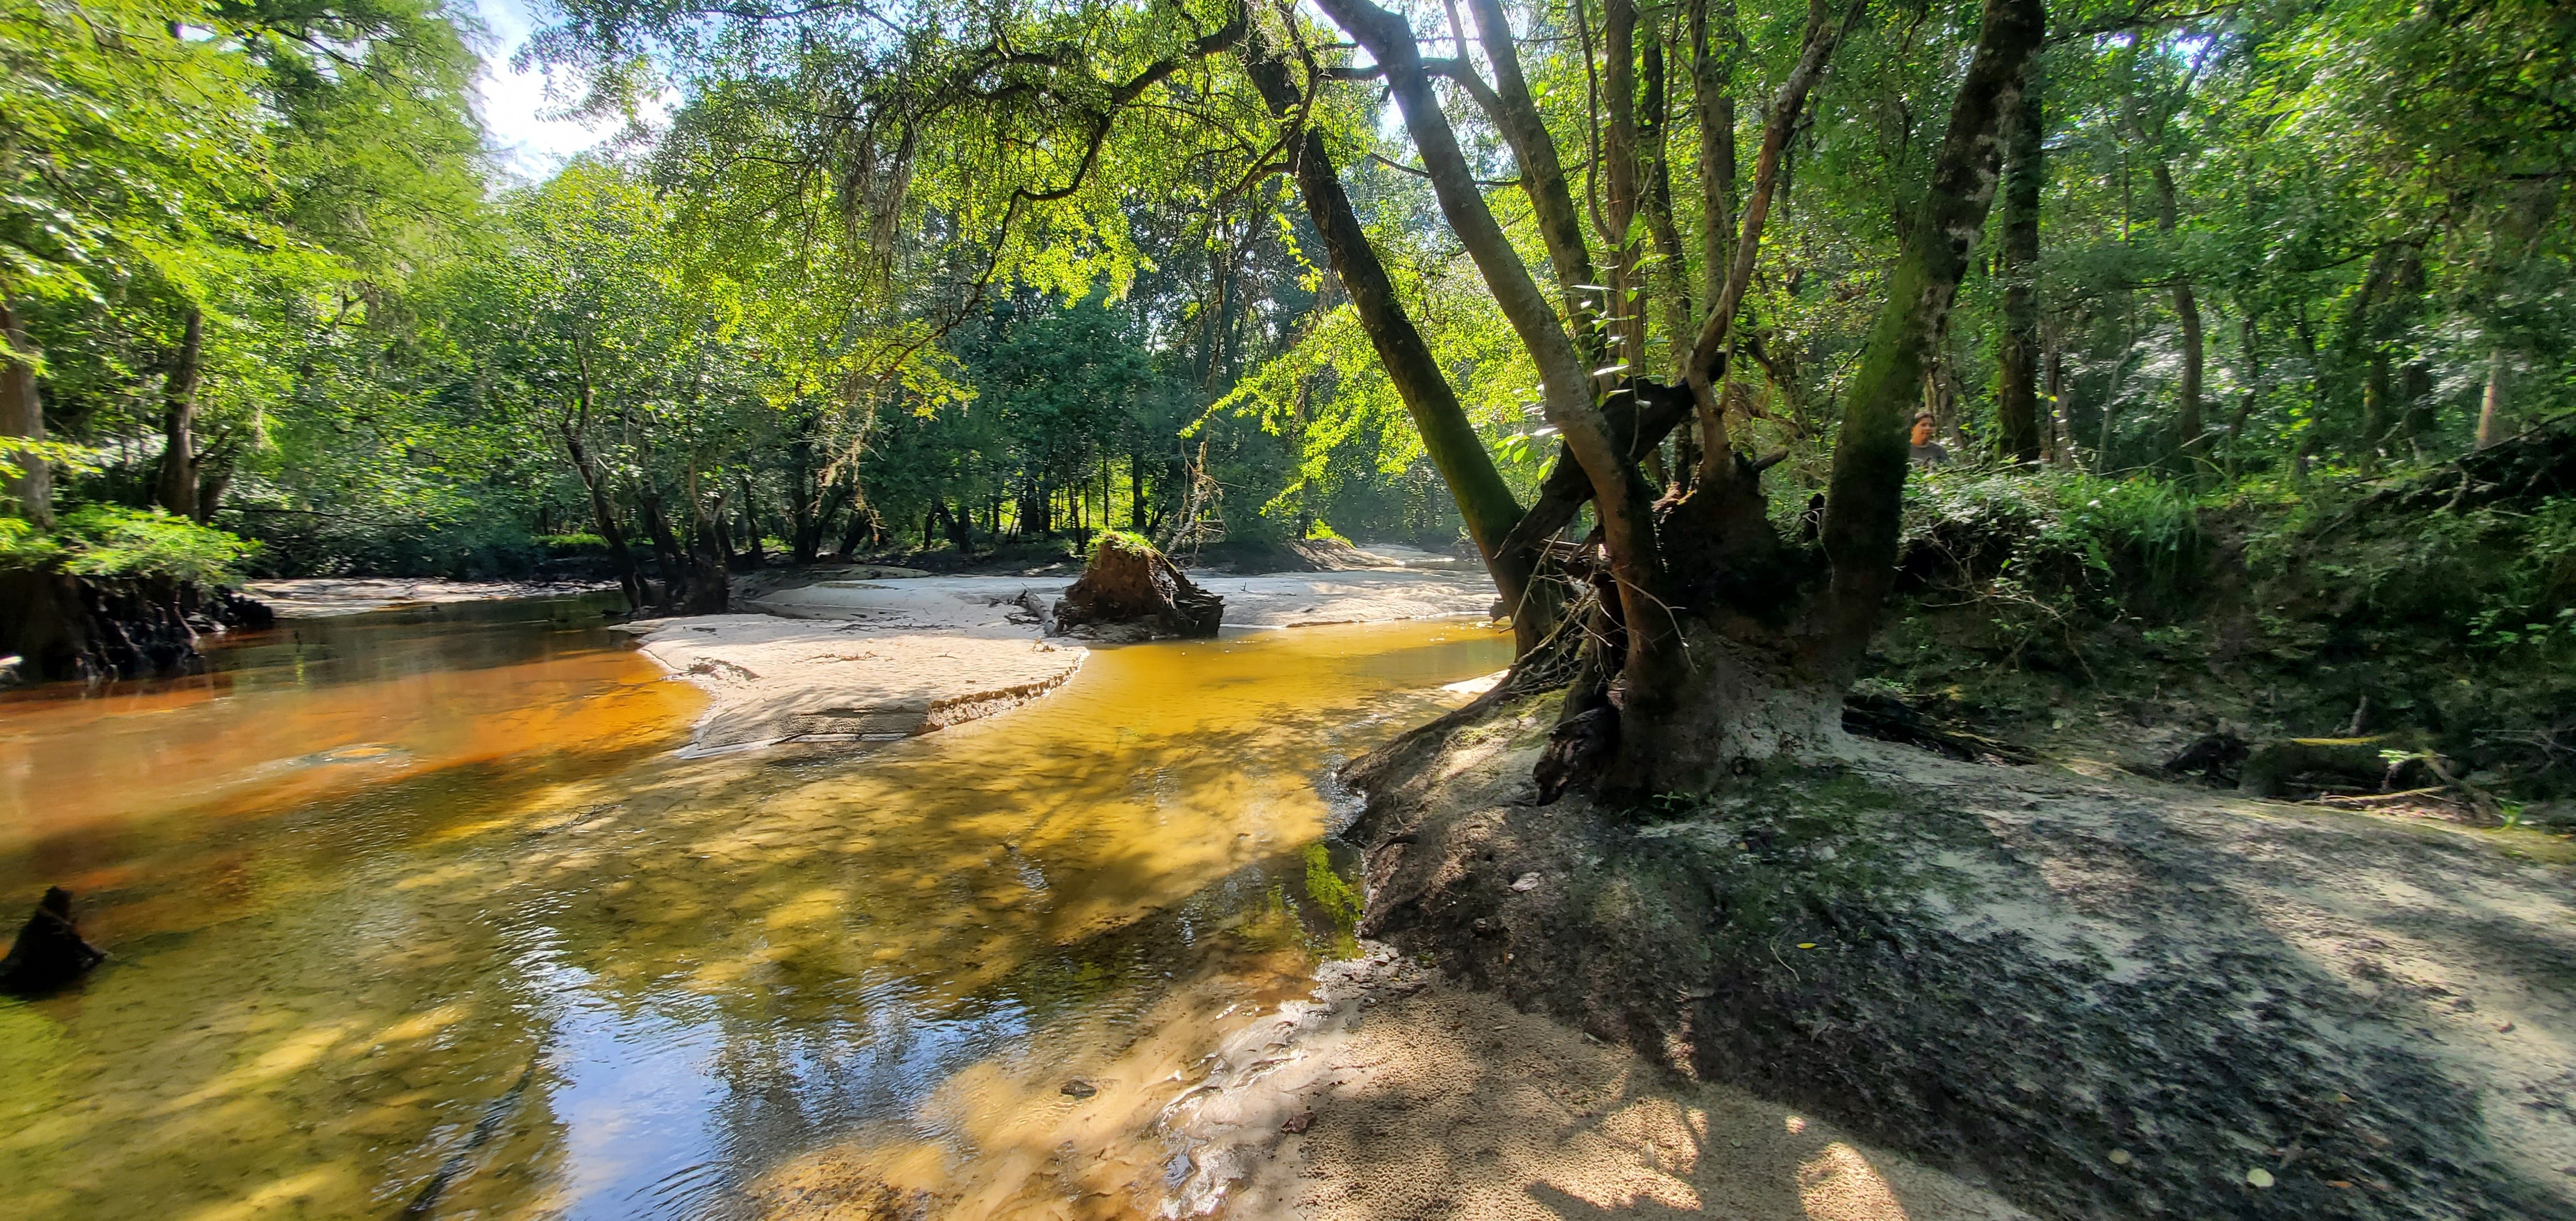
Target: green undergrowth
{"type": "Point", "coordinates": [2053, 602]}
{"type": "Point", "coordinates": [114, 541]}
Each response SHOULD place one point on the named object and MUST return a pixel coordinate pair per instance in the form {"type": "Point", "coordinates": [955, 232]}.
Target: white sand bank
{"type": "Point", "coordinates": [851, 659]}
{"type": "Point", "coordinates": [772, 680]}
{"type": "Point", "coordinates": [991, 605]}
{"type": "Point", "coordinates": [322, 597]}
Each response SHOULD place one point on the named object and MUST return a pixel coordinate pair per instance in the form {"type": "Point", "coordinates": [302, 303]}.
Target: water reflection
{"type": "Point", "coordinates": [731, 985]}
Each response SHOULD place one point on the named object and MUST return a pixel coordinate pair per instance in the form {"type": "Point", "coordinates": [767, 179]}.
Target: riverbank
{"type": "Point", "coordinates": [2105, 996]}
{"type": "Point", "coordinates": [1397, 1093]}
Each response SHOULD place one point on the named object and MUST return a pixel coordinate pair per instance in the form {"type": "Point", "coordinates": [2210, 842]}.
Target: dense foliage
{"type": "Point", "coordinates": [963, 277]}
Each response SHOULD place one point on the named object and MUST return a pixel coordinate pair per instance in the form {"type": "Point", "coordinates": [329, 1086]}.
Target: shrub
{"type": "Point", "coordinates": [114, 541]}
{"type": "Point", "coordinates": [2055, 528]}
{"type": "Point", "coordinates": [568, 546]}
{"type": "Point", "coordinates": [22, 545]}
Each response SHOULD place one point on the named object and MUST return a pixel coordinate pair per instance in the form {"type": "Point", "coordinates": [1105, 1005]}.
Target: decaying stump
{"type": "Point", "coordinates": [49, 951]}
{"type": "Point", "coordinates": [1130, 591]}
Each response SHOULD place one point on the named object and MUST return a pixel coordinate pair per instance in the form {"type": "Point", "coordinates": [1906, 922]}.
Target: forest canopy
{"type": "Point", "coordinates": [1708, 276]}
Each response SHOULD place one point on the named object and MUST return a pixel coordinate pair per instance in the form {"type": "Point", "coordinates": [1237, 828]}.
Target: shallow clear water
{"type": "Point", "coordinates": [418, 911]}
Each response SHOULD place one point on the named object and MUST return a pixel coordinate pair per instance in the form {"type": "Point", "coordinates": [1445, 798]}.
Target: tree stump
{"type": "Point", "coordinates": [49, 951]}
{"type": "Point", "coordinates": [1130, 591]}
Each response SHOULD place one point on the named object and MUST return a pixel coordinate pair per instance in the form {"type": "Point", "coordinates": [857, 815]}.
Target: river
{"type": "Point", "coordinates": [417, 913]}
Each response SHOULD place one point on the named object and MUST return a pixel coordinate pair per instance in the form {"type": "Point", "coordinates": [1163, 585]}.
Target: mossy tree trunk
{"type": "Point", "coordinates": [2017, 386]}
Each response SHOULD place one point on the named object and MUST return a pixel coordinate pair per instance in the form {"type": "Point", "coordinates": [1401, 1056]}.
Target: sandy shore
{"type": "Point", "coordinates": [1398, 1094]}
{"type": "Point", "coordinates": [774, 681]}
{"type": "Point", "coordinates": [322, 597]}
{"type": "Point", "coordinates": [852, 657]}
{"type": "Point", "coordinates": [981, 605]}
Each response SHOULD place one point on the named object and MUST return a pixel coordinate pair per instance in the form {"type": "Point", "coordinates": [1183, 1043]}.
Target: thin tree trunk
{"type": "Point", "coordinates": [2245, 404]}
{"type": "Point", "coordinates": [2491, 408]}
{"type": "Point", "coordinates": [1135, 494]}
{"type": "Point", "coordinates": [2375, 392]}
{"type": "Point", "coordinates": [177, 488]}
{"type": "Point", "coordinates": [2415, 404]}
{"type": "Point", "coordinates": [1656, 134]}
{"type": "Point", "coordinates": [2191, 438]}
{"type": "Point", "coordinates": [2061, 418]}
{"type": "Point", "coordinates": [710, 583]}
{"type": "Point", "coordinates": [2359, 347]}
{"type": "Point", "coordinates": [1713, 92]}
{"type": "Point", "coordinates": [1621, 498]}
{"type": "Point", "coordinates": [2017, 390]}
{"type": "Point", "coordinates": [1623, 157]}
{"type": "Point", "coordinates": [22, 415]}
{"type": "Point", "coordinates": [1823, 34]}
{"type": "Point", "coordinates": [1542, 174]}
{"type": "Point", "coordinates": [603, 515]}
{"type": "Point", "coordinates": [751, 525]}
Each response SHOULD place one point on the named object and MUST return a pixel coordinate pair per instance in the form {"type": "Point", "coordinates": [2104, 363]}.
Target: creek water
{"type": "Point", "coordinates": [417, 913]}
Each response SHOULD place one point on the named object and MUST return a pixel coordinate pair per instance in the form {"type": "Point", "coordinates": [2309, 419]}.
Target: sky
{"type": "Point", "coordinates": [512, 102]}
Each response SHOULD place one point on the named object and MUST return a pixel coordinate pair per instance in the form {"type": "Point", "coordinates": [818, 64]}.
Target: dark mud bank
{"type": "Point", "coordinates": [2105, 998]}
{"type": "Point", "coordinates": [99, 628]}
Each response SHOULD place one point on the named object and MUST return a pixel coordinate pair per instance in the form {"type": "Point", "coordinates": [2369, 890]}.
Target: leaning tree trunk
{"type": "Point", "coordinates": [604, 516]}
{"type": "Point", "coordinates": [1622, 501]}
{"type": "Point", "coordinates": [22, 415]}
{"type": "Point", "coordinates": [1484, 500]}
{"type": "Point", "coordinates": [667, 553]}
{"type": "Point", "coordinates": [1726, 643]}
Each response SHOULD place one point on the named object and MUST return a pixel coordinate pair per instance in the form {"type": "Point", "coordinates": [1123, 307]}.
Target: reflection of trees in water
{"type": "Point", "coordinates": [790, 952]}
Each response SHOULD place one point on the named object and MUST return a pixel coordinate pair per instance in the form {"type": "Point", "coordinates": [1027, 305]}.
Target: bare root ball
{"type": "Point", "coordinates": [1131, 591]}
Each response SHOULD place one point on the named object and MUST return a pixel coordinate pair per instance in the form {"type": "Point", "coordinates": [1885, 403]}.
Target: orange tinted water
{"type": "Point", "coordinates": [421, 909]}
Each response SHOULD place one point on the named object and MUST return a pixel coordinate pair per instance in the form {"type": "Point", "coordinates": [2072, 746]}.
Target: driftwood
{"type": "Point", "coordinates": [2385, 768]}
{"type": "Point", "coordinates": [2277, 766]}
{"type": "Point", "coordinates": [1889, 719]}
